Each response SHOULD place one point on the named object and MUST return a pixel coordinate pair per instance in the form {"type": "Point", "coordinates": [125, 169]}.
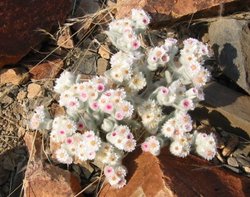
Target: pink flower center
{"type": "Point", "coordinates": [164, 58]}
{"type": "Point", "coordinates": [145, 21]}
{"type": "Point", "coordinates": [62, 132]}
{"type": "Point", "coordinates": [113, 134]}
{"type": "Point", "coordinates": [84, 95]}
{"type": "Point", "coordinates": [119, 116]}
{"type": "Point", "coordinates": [72, 103]}
{"type": "Point", "coordinates": [109, 107]}
{"type": "Point", "coordinates": [69, 141]}
{"type": "Point", "coordinates": [164, 91]}
{"type": "Point", "coordinates": [135, 44]}
{"type": "Point", "coordinates": [80, 125]}
{"type": "Point", "coordinates": [100, 87]}
{"type": "Point", "coordinates": [186, 104]}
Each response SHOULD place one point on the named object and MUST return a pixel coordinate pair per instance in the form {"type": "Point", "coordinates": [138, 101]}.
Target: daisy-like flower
{"type": "Point", "coordinates": [157, 57]}
{"type": "Point", "coordinates": [178, 149]}
{"type": "Point", "coordinates": [126, 107]}
{"type": "Point", "coordinates": [140, 19]}
{"type": "Point", "coordinates": [115, 175]}
{"type": "Point", "coordinates": [63, 156]}
{"type": "Point", "coordinates": [64, 82]}
{"type": "Point", "coordinates": [40, 119]}
{"type": "Point", "coordinates": [122, 138]}
{"type": "Point", "coordinates": [62, 127]}
{"type": "Point", "coordinates": [137, 82]}
{"type": "Point", "coordinates": [119, 115]}
{"type": "Point", "coordinates": [168, 130]}
{"type": "Point", "coordinates": [205, 145]}
{"type": "Point", "coordinates": [151, 115]}
{"type": "Point", "coordinates": [151, 145]}
{"type": "Point", "coordinates": [201, 78]}
{"type": "Point", "coordinates": [186, 104]}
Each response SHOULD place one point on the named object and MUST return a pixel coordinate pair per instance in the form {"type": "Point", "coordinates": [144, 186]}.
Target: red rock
{"type": "Point", "coordinates": [33, 141]}
{"type": "Point", "coordinates": [20, 22]}
{"type": "Point", "coordinates": [45, 180]}
{"type": "Point", "coordinates": [169, 176]}
{"type": "Point", "coordinates": [46, 70]}
{"type": "Point", "coordinates": [163, 10]}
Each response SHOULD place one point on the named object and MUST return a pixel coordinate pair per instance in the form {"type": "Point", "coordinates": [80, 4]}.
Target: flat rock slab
{"type": "Point", "coordinates": [20, 22]}
{"type": "Point", "coordinates": [230, 39]}
{"type": "Point", "coordinates": [228, 107]}
{"type": "Point", "coordinates": [170, 176]}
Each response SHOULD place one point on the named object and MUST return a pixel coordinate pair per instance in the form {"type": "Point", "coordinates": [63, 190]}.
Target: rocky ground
{"type": "Point", "coordinates": [82, 46]}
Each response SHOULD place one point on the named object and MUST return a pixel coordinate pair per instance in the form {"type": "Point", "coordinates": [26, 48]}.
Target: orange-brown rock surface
{"type": "Point", "coordinates": [45, 180]}
{"type": "Point", "coordinates": [20, 22]}
{"type": "Point", "coordinates": [165, 10]}
{"type": "Point", "coordinates": [46, 70]}
{"type": "Point", "coordinates": [169, 176]}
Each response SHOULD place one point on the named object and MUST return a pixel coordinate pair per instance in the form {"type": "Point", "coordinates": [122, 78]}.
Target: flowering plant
{"type": "Point", "coordinates": [105, 115]}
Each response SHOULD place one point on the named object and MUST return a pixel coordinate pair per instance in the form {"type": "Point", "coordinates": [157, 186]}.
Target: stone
{"type": "Point", "coordinates": [246, 169]}
{"type": "Point", "coordinates": [33, 142]}
{"type": "Point", "coordinates": [232, 162]}
{"type": "Point", "coordinates": [65, 39]}
{"type": "Point", "coordinates": [21, 95]}
{"type": "Point", "coordinates": [46, 70]}
{"type": "Point", "coordinates": [46, 180]}
{"type": "Point", "coordinates": [171, 176]}
{"type": "Point", "coordinates": [34, 90]}
{"type": "Point", "coordinates": [21, 22]}
{"type": "Point", "coordinates": [102, 65]}
{"type": "Point", "coordinates": [227, 109]}
{"type": "Point", "coordinates": [230, 39]}
{"type": "Point", "coordinates": [15, 76]}
{"type": "Point", "coordinates": [163, 11]}
{"type": "Point", "coordinates": [57, 110]}
{"type": "Point", "coordinates": [104, 51]}
{"type": "Point", "coordinates": [232, 143]}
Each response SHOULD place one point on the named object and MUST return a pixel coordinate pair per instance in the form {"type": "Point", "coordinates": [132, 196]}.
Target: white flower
{"type": "Point", "coordinates": [40, 119]}
{"type": "Point", "coordinates": [122, 138]}
{"type": "Point", "coordinates": [63, 157]}
{"type": "Point", "coordinates": [168, 130]}
{"type": "Point", "coordinates": [180, 148]}
{"type": "Point", "coordinates": [137, 82]}
{"type": "Point", "coordinates": [205, 145]}
{"type": "Point", "coordinates": [152, 145]}
{"type": "Point", "coordinates": [64, 82]}
{"type": "Point", "coordinates": [157, 57]}
{"type": "Point", "coordinates": [140, 18]}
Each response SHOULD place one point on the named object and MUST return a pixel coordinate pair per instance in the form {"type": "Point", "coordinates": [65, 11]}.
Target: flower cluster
{"type": "Point", "coordinates": [124, 32]}
{"type": "Point", "coordinates": [145, 89]}
{"type": "Point", "coordinates": [152, 145]}
{"type": "Point", "coordinates": [122, 138]}
{"type": "Point", "coordinates": [73, 145]}
{"type": "Point", "coordinates": [205, 145]}
{"type": "Point", "coordinates": [116, 175]}
{"type": "Point", "coordinates": [40, 119]}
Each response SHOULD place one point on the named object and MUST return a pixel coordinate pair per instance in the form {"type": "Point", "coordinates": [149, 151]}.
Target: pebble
{"type": "Point", "coordinates": [34, 90]}
{"type": "Point", "coordinates": [230, 146]}
{"type": "Point", "coordinates": [102, 65]}
{"type": "Point", "coordinates": [21, 95]}
{"type": "Point", "coordinates": [246, 169]}
{"type": "Point", "coordinates": [232, 162]}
